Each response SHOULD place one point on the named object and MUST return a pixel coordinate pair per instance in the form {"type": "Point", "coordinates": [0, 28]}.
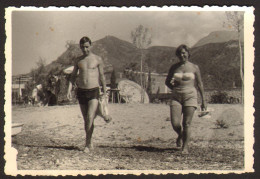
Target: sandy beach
{"type": "Point", "coordinates": [140, 137]}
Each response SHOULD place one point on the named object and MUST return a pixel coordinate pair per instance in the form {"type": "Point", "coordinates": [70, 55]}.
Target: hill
{"type": "Point", "coordinates": [160, 58]}
{"type": "Point", "coordinates": [218, 37]}
{"type": "Point", "coordinates": [218, 62]}
{"type": "Point", "coordinates": [120, 54]}
{"type": "Point", "coordinates": [117, 52]}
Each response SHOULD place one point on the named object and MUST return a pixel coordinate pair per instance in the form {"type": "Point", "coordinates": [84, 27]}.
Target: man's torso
{"type": "Point", "coordinates": [88, 72]}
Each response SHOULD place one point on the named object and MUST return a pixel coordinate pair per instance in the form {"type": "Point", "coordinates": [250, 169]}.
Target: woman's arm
{"type": "Point", "coordinates": [168, 81]}
{"type": "Point", "coordinates": [200, 88]}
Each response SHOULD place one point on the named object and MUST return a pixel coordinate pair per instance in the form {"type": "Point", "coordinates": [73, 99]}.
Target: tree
{"type": "Point", "coordinates": [38, 75]}
{"type": "Point", "coordinates": [141, 38]}
{"type": "Point", "coordinates": [40, 72]}
{"type": "Point", "coordinates": [235, 21]}
{"type": "Point", "coordinates": [149, 86]}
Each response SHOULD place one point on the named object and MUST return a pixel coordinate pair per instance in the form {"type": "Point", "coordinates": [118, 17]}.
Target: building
{"type": "Point", "coordinates": [18, 85]}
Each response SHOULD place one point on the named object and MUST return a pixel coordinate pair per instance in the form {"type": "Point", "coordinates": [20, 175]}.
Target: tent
{"type": "Point", "coordinates": [131, 92]}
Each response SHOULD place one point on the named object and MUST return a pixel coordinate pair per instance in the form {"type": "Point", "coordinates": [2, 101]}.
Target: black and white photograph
{"type": "Point", "coordinates": [150, 90]}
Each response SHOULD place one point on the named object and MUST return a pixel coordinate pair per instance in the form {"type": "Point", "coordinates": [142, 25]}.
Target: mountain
{"type": "Point", "coordinates": [218, 62]}
{"type": "Point", "coordinates": [160, 58]}
{"type": "Point", "coordinates": [120, 54]}
{"type": "Point", "coordinates": [218, 37]}
{"type": "Point", "coordinates": [117, 52]}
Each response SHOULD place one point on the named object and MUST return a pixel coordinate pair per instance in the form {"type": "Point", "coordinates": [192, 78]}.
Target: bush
{"type": "Point", "coordinates": [221, 124]}
{"type": "Point", "coordinates": [233, 100]}
{"type": "Point", "coordinates": [219, 97]}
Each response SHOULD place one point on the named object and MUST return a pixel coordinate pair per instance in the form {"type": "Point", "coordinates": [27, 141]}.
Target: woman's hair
{"type": "Point", "coordinates": [178, 50]}
{"type": "Point", "coordinates": [84, 40]}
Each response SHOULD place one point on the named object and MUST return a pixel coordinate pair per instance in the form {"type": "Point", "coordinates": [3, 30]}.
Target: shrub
{"type": "Point", "coordinates": [219, 97]}
{"type": "Point", "coordinates": [221, 124]}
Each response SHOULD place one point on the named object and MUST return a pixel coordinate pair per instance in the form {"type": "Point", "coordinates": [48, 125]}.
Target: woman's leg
{"type": "Point", "coordinates": [176, 112]}
{"type": "Point", "coordinates": [188, 112]}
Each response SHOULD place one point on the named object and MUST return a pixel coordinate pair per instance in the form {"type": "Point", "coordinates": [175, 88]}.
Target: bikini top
{"type": "Point", "coordinates": [184, 76]}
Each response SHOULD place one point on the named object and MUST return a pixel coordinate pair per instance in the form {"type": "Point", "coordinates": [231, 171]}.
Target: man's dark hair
{"type": "Point", "coordinates": [178, 50]}
{"type": "Point", "coordinates": [84, 40]}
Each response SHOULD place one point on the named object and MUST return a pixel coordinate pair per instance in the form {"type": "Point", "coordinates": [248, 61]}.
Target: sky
{"type": "Point", "coordinates": [43, 34]}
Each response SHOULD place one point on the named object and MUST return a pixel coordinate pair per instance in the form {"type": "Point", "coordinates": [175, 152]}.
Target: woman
{"type": "Point", "coordinates": [182, 79]}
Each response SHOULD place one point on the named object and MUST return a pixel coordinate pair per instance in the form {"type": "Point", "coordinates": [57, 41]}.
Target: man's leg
{"type": "Point", "coordinates": [89, 114]}
{"type": "Point", "coordinates": [176, 112]}
{"type": "Point", "coordinates": [188, 112]}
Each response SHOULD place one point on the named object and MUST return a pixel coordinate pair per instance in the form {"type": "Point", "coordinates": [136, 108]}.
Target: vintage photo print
{"type": "Point", "coordinates": [108, 90]}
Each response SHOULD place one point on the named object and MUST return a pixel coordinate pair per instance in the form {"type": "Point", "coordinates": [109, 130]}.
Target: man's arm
{"type": "Point", "coordinates": [200, 88]}
{"type": "Point", "coordinates": [102, 75]}
{"type": "Point", "coordinates": [72, 80]}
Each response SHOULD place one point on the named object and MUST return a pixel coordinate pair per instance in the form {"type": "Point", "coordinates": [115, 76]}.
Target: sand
{"type": "Point", "coordinates": [140, 137]}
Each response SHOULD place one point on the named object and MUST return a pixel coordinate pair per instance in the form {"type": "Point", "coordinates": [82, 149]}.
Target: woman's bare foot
{"type": "Point", "coordinates": [178, 141]}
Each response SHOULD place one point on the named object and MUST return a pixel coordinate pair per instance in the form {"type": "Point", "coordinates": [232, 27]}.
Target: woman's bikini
{"type": "Point", "coordinates": [184, 82]}
{"type": "Point", "coordinates": [184, 91]}
{"type": "Point", "coordinates": [184, 76]}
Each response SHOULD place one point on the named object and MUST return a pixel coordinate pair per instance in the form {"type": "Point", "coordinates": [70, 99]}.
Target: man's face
{"type": "Point", "coordinates": [85, 48]}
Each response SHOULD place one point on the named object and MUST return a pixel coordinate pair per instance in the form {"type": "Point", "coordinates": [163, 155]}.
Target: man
{"type": "Point", "coordinates": [90, 68]}
{"type": "Point", "coordinates": [53, 90]}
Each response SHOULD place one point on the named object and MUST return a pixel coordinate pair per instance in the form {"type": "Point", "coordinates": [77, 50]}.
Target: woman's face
{"type": "Point", "coordinates": [184, 55]}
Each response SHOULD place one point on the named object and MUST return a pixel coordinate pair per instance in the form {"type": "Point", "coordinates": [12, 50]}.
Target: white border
{"type": "Point", "coordinates": [10, 153]}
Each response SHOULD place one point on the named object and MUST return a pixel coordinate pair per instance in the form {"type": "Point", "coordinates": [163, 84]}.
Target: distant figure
{"type": "Point", "coordinates": [25, 100]}
{"type": "Point", "coordinates": [37, 95]}
{"type": "Point", "coordinates": [34, 96]}
{"type": "Point", "coordinates": [54, 89]}
{"type": "Point", "coordinates": [57, 87]}
{"type": "Point", "coordinates": [51, 98]}
{"type": "Point", "coordinates": [90, 67]}
{"type": "Point", "coordinates": [183, 78]}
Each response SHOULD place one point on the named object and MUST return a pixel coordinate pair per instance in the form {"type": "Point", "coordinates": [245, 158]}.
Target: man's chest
{"type": "Point", "coordinates": [87, 64]}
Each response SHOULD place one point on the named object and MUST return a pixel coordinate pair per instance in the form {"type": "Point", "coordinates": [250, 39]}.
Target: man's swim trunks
{"type": "Point", "coordinates": [185, 97]}
{"type": "Point", "coordinates": [85, 95]}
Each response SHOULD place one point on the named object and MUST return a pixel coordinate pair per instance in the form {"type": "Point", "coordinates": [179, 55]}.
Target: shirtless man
{"type": "Point", "coordinates": [90, 68]}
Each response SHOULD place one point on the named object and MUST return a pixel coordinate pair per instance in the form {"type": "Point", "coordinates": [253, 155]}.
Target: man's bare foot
{"type": "Point", "coordinates": [88, 148]}
{"type": "Point", "coordinates": [108, 118]}
{"type": "Point", "coordinates": [185, 151]}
